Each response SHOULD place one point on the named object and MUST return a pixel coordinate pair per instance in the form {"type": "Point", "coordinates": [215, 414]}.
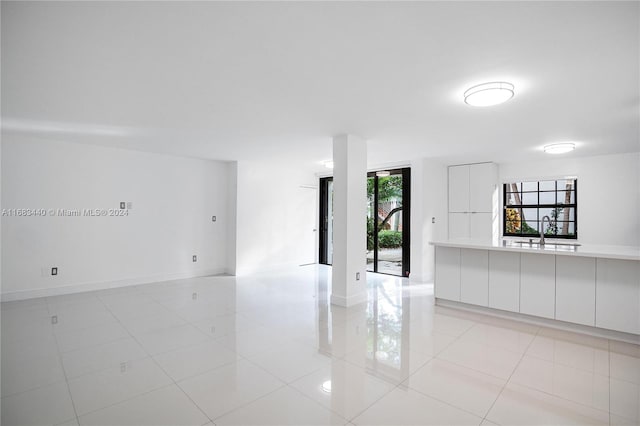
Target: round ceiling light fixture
{"type": "Point", "coordinates": [559, 148]}
{"type": "Point", "coordinates": [326, 386]}
{"type": "Point", "coordinates": [489, 94]}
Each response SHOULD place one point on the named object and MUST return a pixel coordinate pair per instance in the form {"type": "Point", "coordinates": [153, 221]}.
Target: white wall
{"type": "Point", "coordinates": [269, 219]}
{"type": "Point", "coordinates": [608, 193]}
{"type": "Point", "coordinates": [173, 201]}
{"type": "Point", "coordinates": [428, 200]}
{"type": "Point", "coordinates": [232, 206]}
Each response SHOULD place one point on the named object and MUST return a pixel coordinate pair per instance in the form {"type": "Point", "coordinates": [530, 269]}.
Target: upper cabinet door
{"type": "Point", "coordinates": [459, 188]}
{"type": "Point", "coordinates": [482, 182]}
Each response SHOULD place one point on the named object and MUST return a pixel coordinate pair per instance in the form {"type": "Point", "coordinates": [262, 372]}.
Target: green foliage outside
{"type": "Point", "coordinates": [389, 239]}
{"type": "Point", "coordinates": [369, 233]}
{"type": "Point", "coordinates": [389, 188]}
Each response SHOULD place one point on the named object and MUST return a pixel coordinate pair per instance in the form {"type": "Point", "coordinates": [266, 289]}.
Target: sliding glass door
{"type": "Point", "coordinates": [326, 221]}
{"type": "Point", "coordinates": [388, 213]}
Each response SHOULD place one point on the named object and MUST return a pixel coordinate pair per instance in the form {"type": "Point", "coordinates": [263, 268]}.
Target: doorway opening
{"type": "Point", "coordinates": [388, 221]}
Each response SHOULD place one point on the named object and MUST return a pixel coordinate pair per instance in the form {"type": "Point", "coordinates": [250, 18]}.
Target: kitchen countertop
{"type": "Point", "coordinates": [584, 250]}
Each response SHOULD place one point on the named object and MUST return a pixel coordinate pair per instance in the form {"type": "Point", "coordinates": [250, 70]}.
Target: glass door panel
{"type": "Point", "coordinates": [388, 196]}
{"type": "Point", "coordinates": [371, 235]}
{"type": "Point", "coordinates": [389, 248]}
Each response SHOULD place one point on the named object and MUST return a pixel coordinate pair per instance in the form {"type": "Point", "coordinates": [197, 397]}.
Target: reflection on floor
{"type": "Point", "coordinates": [389, 261]}
{"type": "Point", "coordinates": [269, 349]}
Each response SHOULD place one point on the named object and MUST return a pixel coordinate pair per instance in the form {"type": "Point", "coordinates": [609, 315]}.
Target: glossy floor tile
{"type": "Point", "coordinates": [222, 390]}
{"type": "Point", "coordinates": [270, 349]}
{"type": "Point", "coordinates": [116, 384]}
{"type": "Point", "coordinates": [518, 405]}
{"type": "Point", "coordinates": [193, 360]}
{"type": "Point", "coordinates": [459, 386]}
{"type": "Point", "coordinates": [47, 405]}
{"type": "Point", "coordinates": [408, 407]}
{"type": "Point", "coordinates": [167, 406]}
{"type": "Point", "coordinates": [282, 407]}
{"type": "Point", "coordinates": [343, 388]}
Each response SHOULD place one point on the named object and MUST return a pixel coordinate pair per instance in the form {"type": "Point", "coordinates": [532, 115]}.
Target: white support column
{"type": "Point", "coordinates": [349, 221]}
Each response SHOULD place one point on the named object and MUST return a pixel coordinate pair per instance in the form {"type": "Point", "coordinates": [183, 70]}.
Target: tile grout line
{"type": "Point", "coordinates": [64, 370]}
{"type": "Point", "coordinates": [158, 365]}
{"type": "Point", "coordinates": [550, 394]}
{"type": "Point", "coordinates": [434, 357]}
{"type": "Point", "coordinates": [511, 375]}
{"type": "Point", "coordinates": [609, 365]}
{"type": "Point", "coordinates": [397, 386]}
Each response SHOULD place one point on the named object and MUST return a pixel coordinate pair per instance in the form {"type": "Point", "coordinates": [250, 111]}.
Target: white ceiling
{"type": "Point", "coordinates": [245, 80]}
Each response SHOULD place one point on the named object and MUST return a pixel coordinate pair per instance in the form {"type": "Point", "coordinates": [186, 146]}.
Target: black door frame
{"type": "Point", "coordinates": [324, 220]}
{"type": "Point", "coordinates": [406, 220]}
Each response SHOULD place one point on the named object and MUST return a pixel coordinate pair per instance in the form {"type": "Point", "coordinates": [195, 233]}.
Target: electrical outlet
{"type": "Point", "coordinates": [195, 258]}
{"type": "Point", "coordinates": [54, 319]}
{"type": "Point", "coordinates": [357, 276]}
{"type": "Point", "coordinates": [213, 218]}
{"type": "Point", "coordinates": [54, 270]}
{"type": "Point", "coordinates": [194, 296]}
{"type": "Point", "coordinates": [433, 220]}
{"type": "Point", "coordinates": [122, 205]}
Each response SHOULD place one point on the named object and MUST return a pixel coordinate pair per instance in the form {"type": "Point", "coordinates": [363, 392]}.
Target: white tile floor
{"type": "Point", "coordinates": [270, 350]}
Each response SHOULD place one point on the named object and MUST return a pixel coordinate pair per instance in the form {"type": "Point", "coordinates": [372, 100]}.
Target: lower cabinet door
{"type": "Point", "coordinates": [576, 289]}
{"type": "Point", "coordinates": [447, 275]}
{"type": "Point", "coordinates": [480, 226]}
{"type": "Point", "coordinates": [459, 225]}
{"type": "Point", "coordinates": [474, 276]}
{"type": "Point", "coordinates": [618, 295]}
{"type": "Point", "coordinates": [538, 285]}
{"type": "Point", "coordinates": [504, 281]}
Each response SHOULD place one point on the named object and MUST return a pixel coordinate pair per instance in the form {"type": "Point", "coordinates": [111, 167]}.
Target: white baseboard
{"type": "Point", "coordinates": [551, 323]}
{"type": "Point", "coordinates": [347, 302]}
{"type": "Point", "coordinates": [104, 285]}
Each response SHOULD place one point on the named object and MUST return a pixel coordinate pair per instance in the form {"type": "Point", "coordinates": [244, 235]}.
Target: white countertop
{"type": "Point", "coordinates": [585, 250]}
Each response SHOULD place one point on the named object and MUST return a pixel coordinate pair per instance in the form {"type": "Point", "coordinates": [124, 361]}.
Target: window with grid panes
{"type": "Point", "coordinates": [526, 203]}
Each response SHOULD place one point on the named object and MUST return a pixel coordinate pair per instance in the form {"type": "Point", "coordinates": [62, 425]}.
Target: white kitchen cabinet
{"type": "Point", "coordinates": [459, 189]}
{"type": "Point", "coordinates": [576, 289]}
{"type": "Point", "coordinates": [474, 276]}
{"type": "Point", "coordinates": [447, 275]}
{"type": "Point", "coordinates": [618, 295]}
{"type": "Point", "coordinates": [471, 203]}
{"type": "Point", "coordinates": [459, 225]}
{"type": "Point", "coordinates": [480, 226]}
{"type": "Point", "coordinates": [538, 285]}
{"type": "Point", "coordinates": [477, 226]}
{"type": "Point", "coordinates": [482, 182]}
{"type": "Point", "coordinates": [504, 281]}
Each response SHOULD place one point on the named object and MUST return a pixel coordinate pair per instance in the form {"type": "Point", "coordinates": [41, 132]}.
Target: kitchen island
{"type": "Point", "coordinates": [592, 288]}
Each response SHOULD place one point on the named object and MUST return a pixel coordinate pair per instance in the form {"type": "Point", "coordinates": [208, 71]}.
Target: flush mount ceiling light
{"type": "Point", "coordinates": [559, 148]}
{"type": "Point", "coordinates": [488, 94]}
{"type": "Point", "coordinates": [326, 386]}
{"type": "Point", "coordinates": [383, 173]}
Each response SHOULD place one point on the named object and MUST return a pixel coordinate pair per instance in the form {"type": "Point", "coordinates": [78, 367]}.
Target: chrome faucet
{"type": "Point", "coordinates": [542, 228]}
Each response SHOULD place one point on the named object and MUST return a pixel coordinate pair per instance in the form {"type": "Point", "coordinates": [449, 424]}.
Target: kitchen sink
{"type": "Point", "coordinates": [537, 244]}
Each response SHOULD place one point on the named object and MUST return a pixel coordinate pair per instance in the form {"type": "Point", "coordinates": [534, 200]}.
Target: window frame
{"type": "Point", "coordinates": [539, 206]}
